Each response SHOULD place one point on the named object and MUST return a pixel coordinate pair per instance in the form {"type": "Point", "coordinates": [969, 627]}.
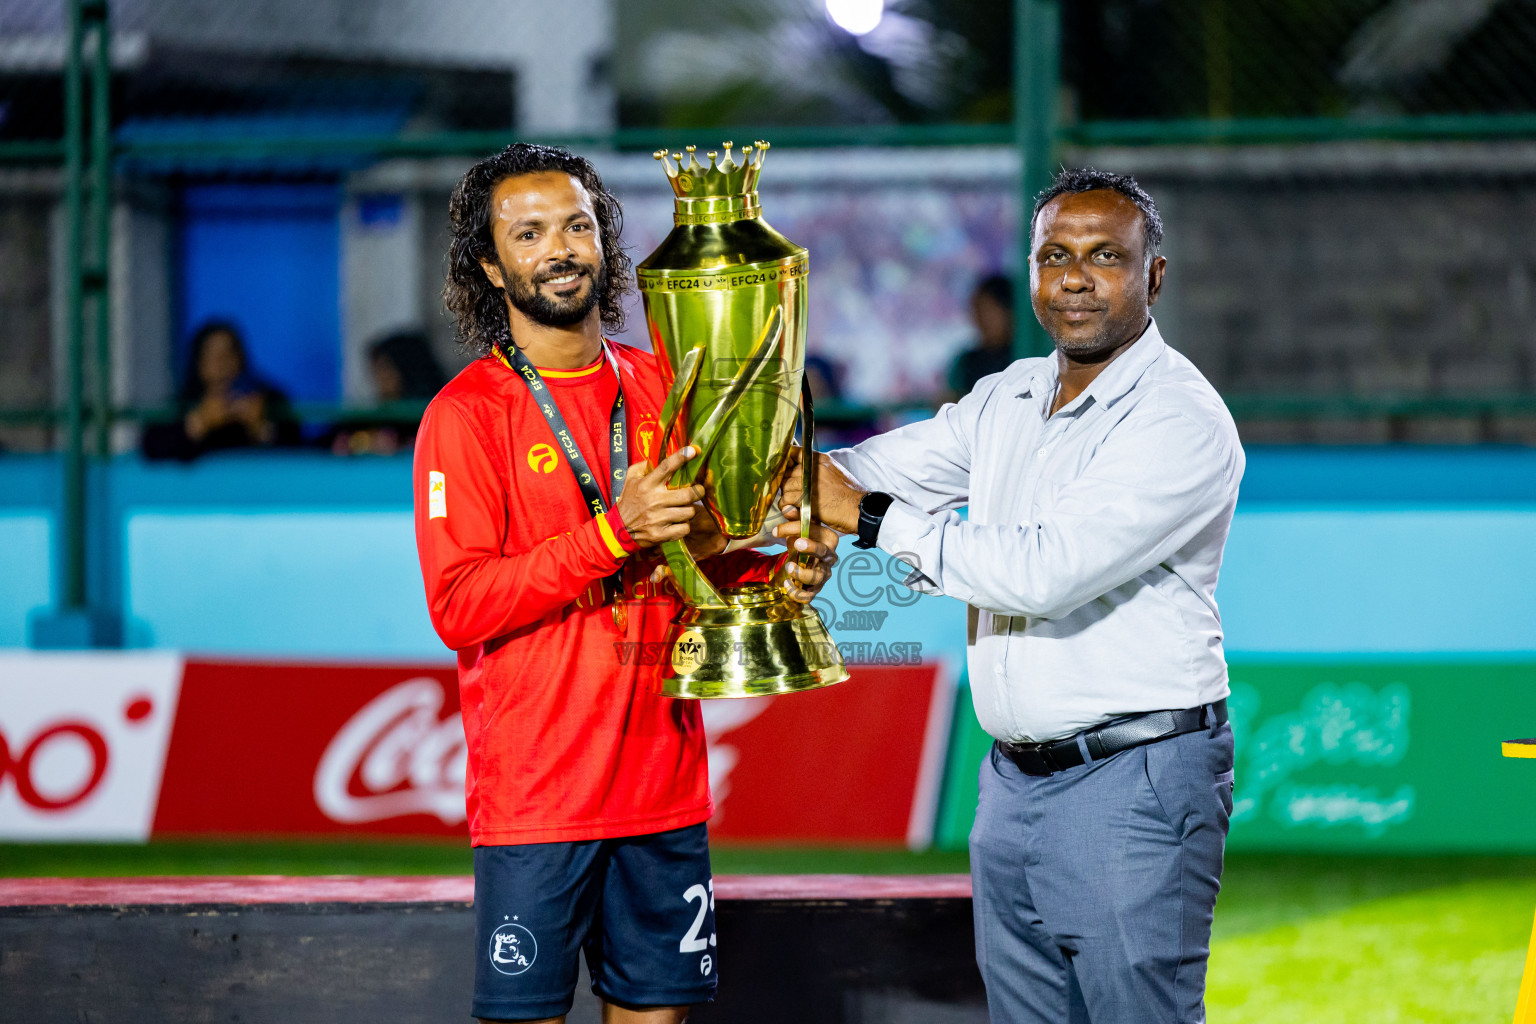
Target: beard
{"type": "Point", "coordinates": [526, 298]}
{"type": "Point", "coordinates": [1106, 337]}
{"type": "Point", "coordinates": [1114, 329]}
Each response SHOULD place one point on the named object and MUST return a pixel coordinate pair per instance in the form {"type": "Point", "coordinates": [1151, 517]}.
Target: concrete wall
{"type": "Point", "coordinates": [32, 303]}
{"type": "Point", "coordinates": [1360, 268]}
{"type": "Point", "coordinates": [25, 363]}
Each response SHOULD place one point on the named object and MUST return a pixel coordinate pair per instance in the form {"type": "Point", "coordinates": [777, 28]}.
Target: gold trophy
{"type": "Point", "coordinates": [725, 305]}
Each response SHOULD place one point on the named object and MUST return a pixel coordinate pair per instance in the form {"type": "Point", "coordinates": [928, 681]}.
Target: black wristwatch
{"type": "Point", "coordinates": [872, 508]}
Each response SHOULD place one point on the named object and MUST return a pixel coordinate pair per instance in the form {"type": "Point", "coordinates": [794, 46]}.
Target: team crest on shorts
{"type": "Point", "coordinates": [513, 948]}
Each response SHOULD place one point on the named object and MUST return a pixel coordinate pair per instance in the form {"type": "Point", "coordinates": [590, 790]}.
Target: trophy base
{"type": "Point", "coordinates": [758, 643]}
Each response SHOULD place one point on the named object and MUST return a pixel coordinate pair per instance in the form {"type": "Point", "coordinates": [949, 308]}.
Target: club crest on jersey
{"type": "Point", "coordinates": [513, 949]}
{"type": "Point", "coordinates": [542, 458]}
{"type": "Point", "coordinates": [645, 437]}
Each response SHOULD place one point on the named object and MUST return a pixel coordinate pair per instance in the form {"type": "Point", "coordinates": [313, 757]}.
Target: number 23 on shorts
{"type": "Point", "coordinates": [693, 942]}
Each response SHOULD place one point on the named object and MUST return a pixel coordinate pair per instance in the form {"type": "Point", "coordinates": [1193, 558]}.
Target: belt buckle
{"type": "Point", "coordinates": [1031, 759]}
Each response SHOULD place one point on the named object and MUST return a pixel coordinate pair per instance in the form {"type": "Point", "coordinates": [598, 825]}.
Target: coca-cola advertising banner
{"type": "Point", "coordinates": [128, 746]}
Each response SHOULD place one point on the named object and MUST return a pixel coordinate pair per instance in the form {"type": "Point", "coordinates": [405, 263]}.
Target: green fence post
{"type": "Point", "coordinates": [73, 622]}
{"type": "Point", "coordinates": [97, 283]}
{"type": "Point", "coordinates": [1036, 77]}
{"type": "Point", "coordinates": [73, 548]}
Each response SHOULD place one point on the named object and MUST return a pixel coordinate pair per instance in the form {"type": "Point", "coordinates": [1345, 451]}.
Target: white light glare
{"type": "Point", "coordinates": [858, 17]}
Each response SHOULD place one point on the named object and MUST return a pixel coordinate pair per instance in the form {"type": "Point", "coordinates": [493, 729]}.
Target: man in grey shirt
{"type": "Point", "coordinates": [1100, 483]}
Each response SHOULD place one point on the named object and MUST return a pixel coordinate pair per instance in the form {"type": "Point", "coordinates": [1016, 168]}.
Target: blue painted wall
{"type": "Point", "coordinates": [26, 569]}
{"type": "Point", "coordinates": [290, 582]}
{"type": "Point", "coordinates": [1380, 580]}
{"type": "Point", "coordinates": [1382, 551]}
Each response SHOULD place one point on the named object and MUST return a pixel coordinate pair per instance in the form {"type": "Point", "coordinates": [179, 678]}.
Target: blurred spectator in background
{"type": "Point", "coordinates": [223, 403]}
{"type": "Point", "coordinates": [404, 371]}
{"type": "Point", "coordinates": [404, 368]}
{"type": "Point", "coordinates": [825, 379]}
{"type": "Point", "coordinates": [992, 313]}
{"type": "Point", "coordinates": [838, 425]}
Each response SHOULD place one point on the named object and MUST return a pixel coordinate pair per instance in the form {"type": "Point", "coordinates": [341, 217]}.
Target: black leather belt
{"type": "Point", "coordinates": [1111, 738]}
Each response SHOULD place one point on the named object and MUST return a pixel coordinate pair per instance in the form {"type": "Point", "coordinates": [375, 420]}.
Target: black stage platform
{"type": "Point", "coordinates": [808, 949]}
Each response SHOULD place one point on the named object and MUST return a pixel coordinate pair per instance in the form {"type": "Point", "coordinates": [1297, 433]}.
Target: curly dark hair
{"type": "Point", "coordinates": [1070, 181]}
{"type": "Point", "coordinates": [479, 308]}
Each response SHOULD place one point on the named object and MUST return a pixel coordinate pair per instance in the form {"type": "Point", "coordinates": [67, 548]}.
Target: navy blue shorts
{"type": "Point", "coordinates": [643, 909]}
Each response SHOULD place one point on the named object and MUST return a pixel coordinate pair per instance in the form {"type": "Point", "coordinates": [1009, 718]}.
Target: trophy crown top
{"type": "Point", "coordinates": [722, 178]}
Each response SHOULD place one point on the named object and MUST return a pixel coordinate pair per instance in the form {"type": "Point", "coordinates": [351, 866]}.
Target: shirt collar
{"type": "Point", "coordinates": [1121, 375]}
{"type": "Point", "coordinates": [1108, 387]}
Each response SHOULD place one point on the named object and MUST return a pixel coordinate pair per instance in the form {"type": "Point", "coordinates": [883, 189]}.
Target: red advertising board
{"type": "Point", "coordinates": [284, 748]}
{"type": "Point", "coordinates": [267, 749]}
{"type": "Point", "coordinates": [840, 764]}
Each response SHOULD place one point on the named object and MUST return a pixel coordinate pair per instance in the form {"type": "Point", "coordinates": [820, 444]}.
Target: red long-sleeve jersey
{"type": "Point", "coordinates": [566, 740]}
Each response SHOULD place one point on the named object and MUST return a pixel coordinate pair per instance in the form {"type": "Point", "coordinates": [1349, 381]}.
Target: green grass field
{"type": "Point", "coordinates": [1313, 939]}
{"type": "Point", "coordinates": [1377, 940]}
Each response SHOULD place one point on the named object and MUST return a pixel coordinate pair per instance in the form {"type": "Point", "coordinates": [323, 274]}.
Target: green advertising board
{"type": "Point", "coordinates": [1361, 756]}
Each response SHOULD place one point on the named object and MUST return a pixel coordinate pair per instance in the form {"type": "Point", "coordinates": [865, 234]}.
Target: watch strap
{"type": "Point", "coordinates": [872, 509]}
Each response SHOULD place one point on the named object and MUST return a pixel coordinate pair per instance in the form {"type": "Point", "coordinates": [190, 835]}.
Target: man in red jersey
{"type": "Point", "coordinates": [541, 495]}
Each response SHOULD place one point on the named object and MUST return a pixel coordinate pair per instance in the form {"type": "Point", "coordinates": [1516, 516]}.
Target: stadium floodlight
{"type": "Point", "coordinates": [857, 17]}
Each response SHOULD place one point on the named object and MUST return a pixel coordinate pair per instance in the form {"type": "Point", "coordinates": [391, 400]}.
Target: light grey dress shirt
{"type": "Point", "coordinates": [1094, 538]}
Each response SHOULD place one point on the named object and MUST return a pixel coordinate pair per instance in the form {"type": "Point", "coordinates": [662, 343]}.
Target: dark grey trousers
{"type": "Point", "coordinates": [1094, 887]}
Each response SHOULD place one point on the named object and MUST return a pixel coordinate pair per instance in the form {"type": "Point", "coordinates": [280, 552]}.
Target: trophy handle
{"type": "Point", "coordinates": [685, 571]}
{"type": "Point", "coordinates": [807, 461]}
{"type": "Point", "coordinates": [687, 373]}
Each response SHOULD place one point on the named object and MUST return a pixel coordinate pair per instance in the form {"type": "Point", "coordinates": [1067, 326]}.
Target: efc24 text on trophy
{"type": "Point", "coordinates": [725, 304]}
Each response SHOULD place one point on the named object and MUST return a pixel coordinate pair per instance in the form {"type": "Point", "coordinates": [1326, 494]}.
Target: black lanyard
{"type": "Point", "coordinates": [618, 435]}
{"type": "Point", "coordinates": [618, 441]}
